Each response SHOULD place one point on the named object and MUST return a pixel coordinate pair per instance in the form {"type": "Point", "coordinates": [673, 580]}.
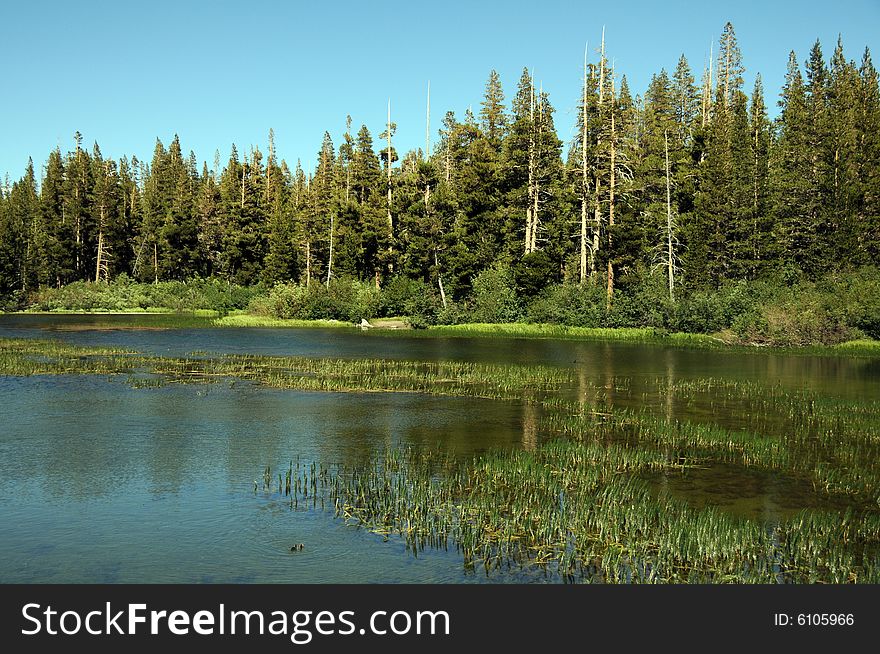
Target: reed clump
{"type": "Point", "coordinates": [496, 381]}
{"type": "Point", "coordinates": [575, 509]}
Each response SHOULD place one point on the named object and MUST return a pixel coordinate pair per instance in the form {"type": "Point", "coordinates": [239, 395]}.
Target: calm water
{"type": "Point", "coordinates": [100, 482]}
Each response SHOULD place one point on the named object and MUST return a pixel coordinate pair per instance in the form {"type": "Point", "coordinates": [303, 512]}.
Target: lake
{"type": "Point", "coordinates": [102, 482]}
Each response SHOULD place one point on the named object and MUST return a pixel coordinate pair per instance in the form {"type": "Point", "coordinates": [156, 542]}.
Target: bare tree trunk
{"type": "Point", "coordinates": [530, 217]}
{"type": "Point", "coordinates": [597, 207]}
{"type": "Point", "coordinates": [308, 262]}
{"type": "Point", "coordinates": [348, 163]}
{"type": "Point", "coordinates": [755, 204]}
{"type": "Point", "coordinates": [79, 239]}
{"type": "Point", "coordinates": [439, 279]}
{"type": "Point", "coordinates": [707, 90]}
{"type": "Point", "coordinates": [137, 260]}
{"type": "Point", "coordinates": [330, 257]}
{"type": "Point", "coordinates": [602, 68]}
{"type": "Point", "coordinates": [726, 68]}
{"type": "Point", "coordinates": [670, 254]}
{"type": "Point", "coordinates": [78, 235]}
{"type": "Point", "coordinates": [243, 168]}
{"type": "Point", "coordinates": [448, 156]}
{"type": "Point", "coordinates": [98, 265]}
{"type": "Point", "coordinates": [610, 284]}
{"type": "Point", "coordinates": [584, 184]}
{"type": "Point", "coordinates": [597, 223]}
{"type": "Point", "coordinates": [537, 191]}
{"type": "Point", "coordinates": [390, 222]}
{"type": "Point", "coordinates": [269, 164]}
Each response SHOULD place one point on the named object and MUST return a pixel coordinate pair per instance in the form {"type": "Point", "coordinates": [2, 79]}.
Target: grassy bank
{"type": "Point", "coordinates": [543, 330]}
{"type": "Point", "coordinates": [860, 347]}
{"type": "Point", "coordinates": [241, 319]}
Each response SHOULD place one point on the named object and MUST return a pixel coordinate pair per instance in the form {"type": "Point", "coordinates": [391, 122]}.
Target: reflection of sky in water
{"type": "Point", "coordinates": [100, 482]}
{"type": "Point", "coordinates": [103, 483]}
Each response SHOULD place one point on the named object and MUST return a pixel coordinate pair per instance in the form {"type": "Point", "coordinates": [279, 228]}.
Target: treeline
{"type": "Point", "coordinates": [685, 188]}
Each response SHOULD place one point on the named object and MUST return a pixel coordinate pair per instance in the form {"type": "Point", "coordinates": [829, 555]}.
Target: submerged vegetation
{"type": "Point", "coordinates": [576, 509]}
{"type": "Point", "coordinates": [34, 357]}
{"type": "Point", "coordinates": [577, 506]}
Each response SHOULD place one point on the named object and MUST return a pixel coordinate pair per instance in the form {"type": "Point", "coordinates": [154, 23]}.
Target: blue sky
{"type": "Point", "coordinates": [222, 72]}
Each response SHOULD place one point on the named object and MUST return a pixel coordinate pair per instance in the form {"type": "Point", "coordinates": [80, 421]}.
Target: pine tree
{"type": "Point", "coordinates": [104, 221]}
{"type": "Point", "coordinates": [323, 211]}
{"type": "Point", "coordinates": [17, 235]}
{"type": "Point", "coordinates": [244, 235]}
{"type": "Point", "coordinates": [156, 200]}
{"type": "Point", "coordinates": [181, 256]}
{"type": "Point", "coordinates": [208, 208]}
{"type": "Point", "coordinates": [868, 171]}
{"type": "Point", "coordinates": [492, 115]}
{"type": "Point", "coordinates": [761, 251]}
{"type": "Point", "coordinates": [845, 158]}
{"type": "Point", "coordinates": [60, 238]}
{"type": "Point", "coordinates": [718, 233]}
{"type": "Point", "coordinates": [129, 216]}
{"type": "Point", "coordinates": [819, 173]}
{"type": "Point", "coordinates": [282, 258]}
{"type": "Point", "coordinates": [77, 202]}
{"type": "Point", "coordinates": [790, 173]}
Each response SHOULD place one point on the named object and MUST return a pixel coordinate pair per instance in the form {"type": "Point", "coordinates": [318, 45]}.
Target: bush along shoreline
{"type": "Point", "coordinates": [839, 311]}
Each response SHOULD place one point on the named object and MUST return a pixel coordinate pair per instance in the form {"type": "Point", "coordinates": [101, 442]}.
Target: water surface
{"type": "Point", "coordinates": [100, 482]}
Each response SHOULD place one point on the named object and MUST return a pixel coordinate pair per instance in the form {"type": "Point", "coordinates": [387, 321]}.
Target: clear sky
{"type": "Point", "coordinates": [220, 72]}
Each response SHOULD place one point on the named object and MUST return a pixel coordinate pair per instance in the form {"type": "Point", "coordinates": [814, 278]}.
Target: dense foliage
{"type": "Point", "coordinates": [686, 208]}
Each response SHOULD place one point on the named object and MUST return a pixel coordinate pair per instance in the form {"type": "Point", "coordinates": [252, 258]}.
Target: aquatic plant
{"type": "Point", "coordinates": [576, 509]}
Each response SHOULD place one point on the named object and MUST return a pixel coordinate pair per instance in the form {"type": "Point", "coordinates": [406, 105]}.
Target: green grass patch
{"type": "Point", "coordinates": [545, 330]}
{"type": "Point", "coordinates": [240, 319]}
{"type": "Point", "coordinates": [861, 347]}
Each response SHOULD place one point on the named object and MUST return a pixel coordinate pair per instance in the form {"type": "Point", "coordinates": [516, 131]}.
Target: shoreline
{"type": "Point", "coordinates": [540, 331]}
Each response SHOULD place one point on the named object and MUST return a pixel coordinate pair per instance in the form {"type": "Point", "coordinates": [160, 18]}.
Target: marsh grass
{"type": "Point", "coordinates": [576, 509]}
{"type": "Point", "coordinates": [31, 357]}
{"type": "Point", "coordinates": [831, 442]}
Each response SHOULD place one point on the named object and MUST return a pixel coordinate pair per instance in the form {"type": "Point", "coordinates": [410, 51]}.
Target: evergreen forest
{"type": "Point", "coordinates": [682, 206]}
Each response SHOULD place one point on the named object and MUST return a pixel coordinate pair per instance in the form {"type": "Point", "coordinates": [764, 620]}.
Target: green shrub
{"type": "Point", "coordinates": [858, 294]}
{"type": "Point", "coordinates": [575, 305]}
{"type": "Point", "coordinates": [123, 294]}
{"type": "Point", "coordinates": [453, 314]}
{"type": "Point", "coordinates": [493, 297]}
{"type": "Point", "coordinates": [343, 299]}
{"type": "Point", "coordinates": [803, 315]}
{"type": "Point", "coordinates": [403, 296]}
